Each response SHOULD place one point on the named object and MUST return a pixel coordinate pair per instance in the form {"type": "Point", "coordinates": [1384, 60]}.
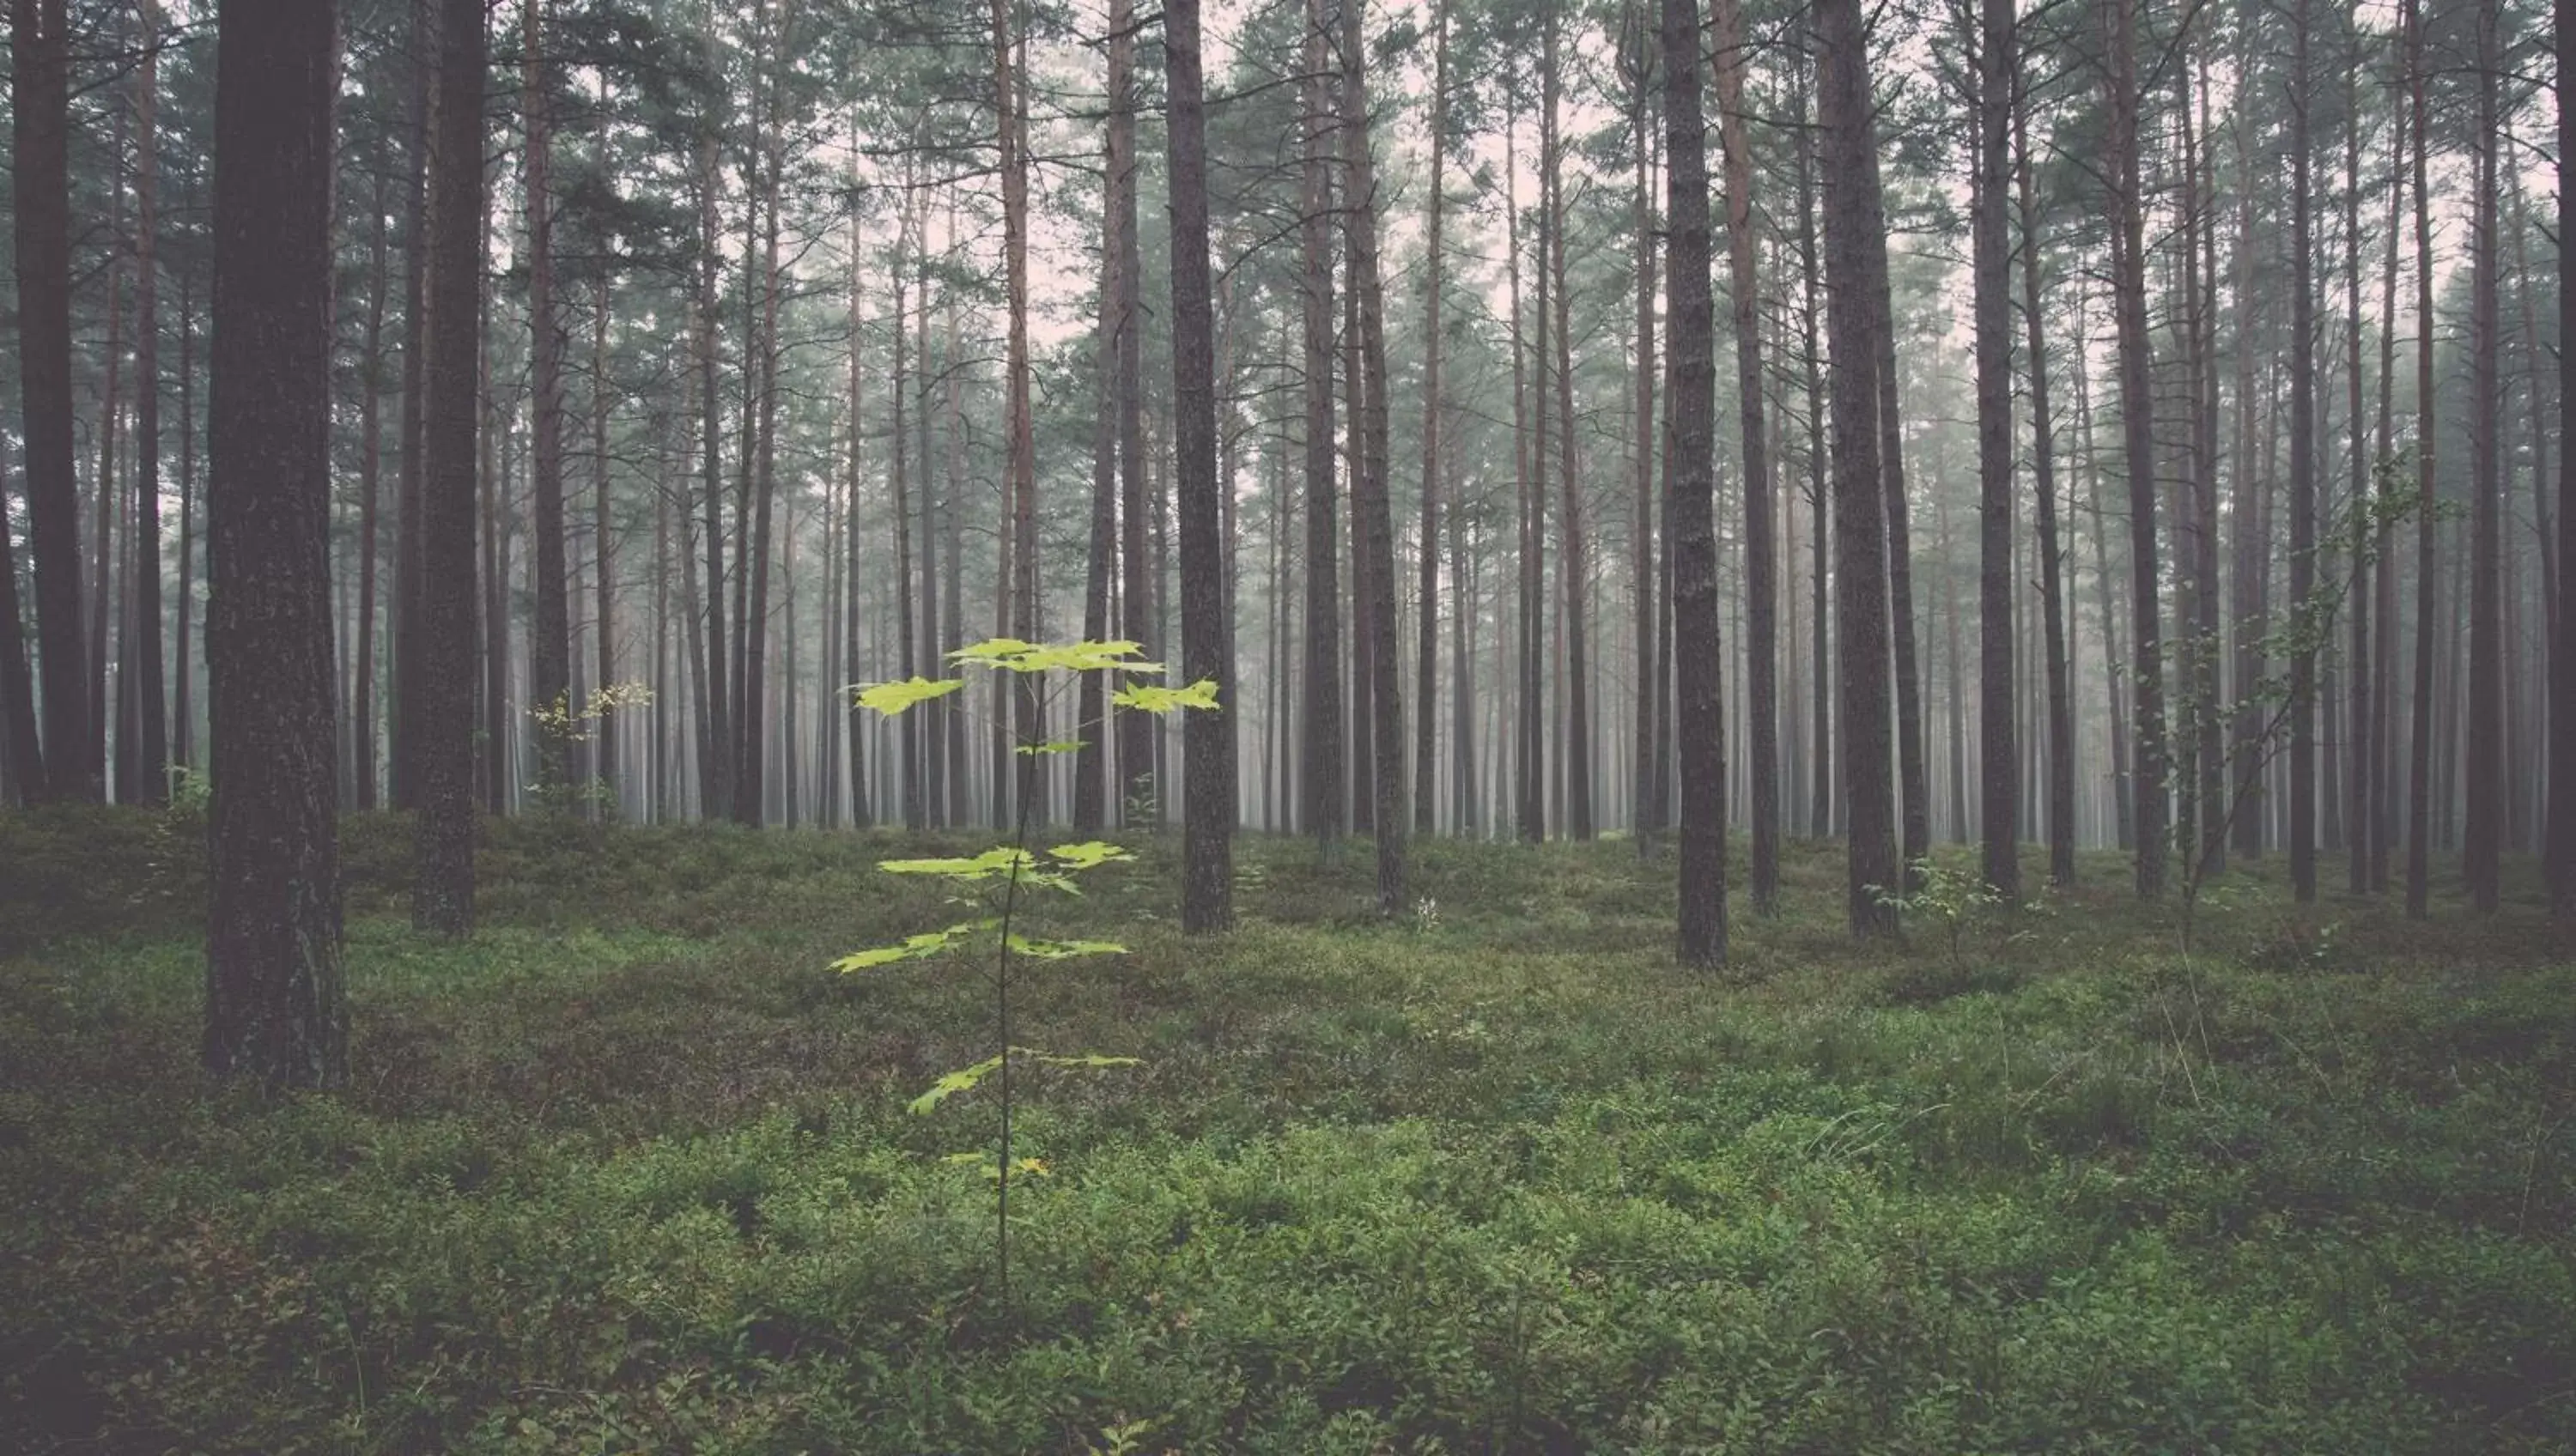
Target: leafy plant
{"type": "Point", "coordinates": [561, 727]}
{"type": "Point", "coordinates": [1947, 895]}
{"type": "Point", "coordinates": [991, 883]}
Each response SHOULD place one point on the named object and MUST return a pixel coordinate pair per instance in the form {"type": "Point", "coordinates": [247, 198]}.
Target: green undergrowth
{"type": "Point", "coordinates": [631, 1170]}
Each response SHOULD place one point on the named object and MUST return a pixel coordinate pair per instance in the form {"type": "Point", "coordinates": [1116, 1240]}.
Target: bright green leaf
{"type": "Point", "coordinates": [964, 1079]}
{"type": "Point", "coordinates": [891, 698]}
{"type": "Point", "coordinates": [1154, 698]}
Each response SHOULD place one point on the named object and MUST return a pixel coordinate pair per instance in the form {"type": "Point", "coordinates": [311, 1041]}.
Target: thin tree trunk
{"type": "Point", "coordinates": [2138, 439]}
{"type": "Point", "coordinates": [1691, 540]}
{"type": "Point", "coordinates": [2483, 831]}
{"type": "Point", "coordinates": [143, 677]}
{"type": "Point", "coordinates": [1207, 881]}
{"type": "Point", "coordinates": [1321, 766]}
{"type": "Point", "coordinates": [443, 899]}
{"type": "Point", "coordinates": [2419, 786]}
{"type": "Point", "coordinates": [1998, 749]}
{"type": "Point", "coordinates": [1853, 235]}
{"type": "Point", "coordinates": [1762, 607]}
{"type": "Point", "coordinates": [2052, 588]}
{"type": "Point", "coordinates": [1427, 619]}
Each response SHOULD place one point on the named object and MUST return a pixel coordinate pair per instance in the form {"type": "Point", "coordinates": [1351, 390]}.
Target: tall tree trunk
{"type": "Point", "coordinates": [1573, 571]}
{"type": "Point", "coordinates": [2052, 559]}
{"type": "Point", "coordinates": [2482, 840]}
{"type": "Point", "coordinates": [183, 711]}
{"type": "Point", "coordinates": [142, 679]}
{"type": "Point", "coordinates": [1821, 808]}
{"type": "Point", "coordinates": [1090, 789]}
{"type": "Point", "coordinates": [408, 694]}
{"type": "Point", "coordinates": [443, 899]}
{"type": "Point", "coordinates": [2138, 452]}
{"type": "Point", "coordinates": [24, 750]}
{"type": "Point", "coordinates": [1207, 877]}
{"type": "Point", "coordinates": [1019, 438]}
{"type": "Point", "coordinates": [1999, 755]}
{"type": "Point", "coordinates": [1761, 567]}
{"type": "Point", "coordinates": [2303, 477]}
{"type": "Point", "coordinates": [276, 1007]}
{"type": "Point", "coordinates": [603, 551]}
{"type": "Point", "coordinates": [2419, 785]}
{"type": "Point", "coordinates": [1637, 70]}
{"type": "Point", "coordinates": [39, 172]}
{"type": "Point", "coordinates": [1374, 560]}
{"type": "Point", "coordinates": [1699, 725]}
{"type": "Point", "coordinates": [909, 728]}
{"type": "Point", "coordinates": [1322, 757]}
{"type": "Point", "coordinates": [1427, 617]}
{"type": "Point", "coordinates": [716, 753]}
{"type": "Point", "coordinates": [550, 646]}
{"type": "Point", "coordinates": [2562, 637]}
{"type": "Point", "coordinates": [370, 481]}
{"type": "Point", "coordinates": [2363, 759]}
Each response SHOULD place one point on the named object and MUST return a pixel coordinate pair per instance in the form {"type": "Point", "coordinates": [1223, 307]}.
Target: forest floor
{"type": "Point", "coordinates": [633, 1169]}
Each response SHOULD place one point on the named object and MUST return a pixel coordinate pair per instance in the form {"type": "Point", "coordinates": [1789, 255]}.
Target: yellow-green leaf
{"type": "Point", "coordinates": [1090, 854]}
{"type": "Point", "coordinates": [1155, 698]}
{"type": "Point", "coordinates": [891, 698]}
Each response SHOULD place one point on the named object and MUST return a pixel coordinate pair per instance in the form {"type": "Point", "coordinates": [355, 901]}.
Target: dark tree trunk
{"type": "Point", "coordinates": [1574, 569]}
{"type": "Point", "coordinates": [2562, 637]}
{"type": "Point", "coordinates": [39, 163]}
{"type": "Point", "coordinates": [550, 648]}
{"type": "Point", "coordinates": [1374, 559]}
{"type": "Point", "coordinates": [1855, 322]}
{"type": "Point", "coordinates": [1091, 764]}
{"type": "Point", "coordinates": [407, 624]}
{"type": "Point", "coordinates": [276, 1008]}
{"type": "Point", "coordinates": [2483, 831]}
{"type": "Point", "coordinates": [2419, 784]}
{"type": "Point", "coordinates": [603, 553]}
{"type": "Point", "coordinates": [443, 901]}
{"type": "Point", "coordinates": [1821, 802]}
{"type": "Point", "coordinates": [2149, 813]}
{"type": "Point", "coordinates": [1999, 756]}
{"type": "Point", "coordinates": [1325, 785]}
{"type": "Point", "coordinates": [1427, 619]}
{"type": "Point", "coordinates": [370, 480]}
{"type": "Point", "coordinates": [18, 737]}
{"type": "Point", "coordinates": [1761, 565]}
{"type": "Point", "coordinates": [1637, 69]}
{"type": "Point", "coordinates": [142, 679]}
{"type": "Point", "coordinates": [1207, 878]}
{"type": "Point", "coordinates": [2303, 478]}
{"type": "Point", "coordinates": [2052, 556]}
{"type": "Point", "coordinates": [1699, 725]}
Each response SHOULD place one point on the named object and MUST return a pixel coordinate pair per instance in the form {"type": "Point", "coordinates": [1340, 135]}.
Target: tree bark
{"type": "Point", "coordinates": [2149, 813]}
{"type": "Point", "coordinates": [1322, 767]}
{"type": "Point", "coordinates": [1207, 877]}
{"type": "Point", "coordinates": [2482, 832]}
{"type": "Point", "coordinates": [1999, 757]}
{"type": "Point", "coordinates": [1699, 725]}
{"type": "Point", "coordinates": [1427, 618]}
{"type": "Point", "coordinates": [443, 899]}
{"type": "Point", "coordinates": [142, 679]}
{"type": "Point", "coordinates": [39, 162]}
{"type": "Point", "coordinates": [2052, 559]}
{"type": "Point", "coordinates": [550, 646]}
{"type": "Point", "coordinates": [2419, 785]}
{"type": "Point", "coordinates": [276, 1009]}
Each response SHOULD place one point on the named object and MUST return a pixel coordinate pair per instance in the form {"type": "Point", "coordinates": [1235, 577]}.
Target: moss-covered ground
{"type": "Point", "coordinates": [632, 1170]}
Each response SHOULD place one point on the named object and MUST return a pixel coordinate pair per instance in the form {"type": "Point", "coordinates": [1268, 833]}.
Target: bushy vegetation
{"type": "Point", "coordinates": [632, 1171]}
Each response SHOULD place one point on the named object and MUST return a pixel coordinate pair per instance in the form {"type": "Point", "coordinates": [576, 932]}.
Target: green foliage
{"type": "Point", "coordinates": [629, 1172]}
